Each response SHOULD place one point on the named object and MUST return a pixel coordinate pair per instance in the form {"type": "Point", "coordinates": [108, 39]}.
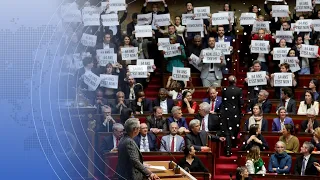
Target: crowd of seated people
{"type": "Point", "coordinates": [164, 112]}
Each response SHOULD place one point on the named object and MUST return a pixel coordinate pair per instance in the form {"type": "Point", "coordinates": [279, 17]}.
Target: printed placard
{"type": "Point", "coordinates": [148, 62]}
{"type": "Point", "coordinates": [201, 12]}
{"type": "Point", "coordinates": [303, 25]}
{"type": "Point", "coordinates": [279, 53]}
{"type": "Point", "coordinates": [117, 5]}
{"type": "Point", "coordinates": [220, 18]}
{"type": "Point", "coordinates": [71, 13]}
{"type": "Point", "coordinates": [211, 56]}
{"type": "Point", "coordinates": [104, 51]}
{"type": "Point", "coordinates": [282, 79]}
{"type": "Point", "coordinates": [144, 19]}
{"type": "Point", "coordinates": [185, 17]}
{"type": "Point", "coordinates": [259, 46]}
{"type": "Point", "coordinates": [110, 19]}
{"type": "Point", "coordinates": [247, 18]}
{"type": "Point", "coordinates": [162, 20]}
{"type": "Point", "coordinates": [317, 1]}
{"type": "Point", "coordinates": [91, 80]}
{"type": "Point", "coordinates": [105, 59]}
{"type": "Point", "coordinates": [230, 14]}
{"type": "Point", "coordinates": [308, 51]}
{"type": "Point", "coordinates": [109, 81]}
{"type": "Point", "coordinates": [303, 5]}
{"type": "Point", "coordinates": [88, 40]}
{"type": "Point", "coordinates": [180, 74]}
{"type": "Point", "coordinates": [138, 71]}
{"type": "Point", "coordinates": [143, 30]}
{"type": "Point", "coordinates": [257, 78]}
{"type": "Point", "coordinates": [287, 35]}
{"type": "Point", "coordinates": [194, 25]}
{"type": "Point", "coordinates": [172, 50]}
{"type": "Point", "coordinates": [91, 16]}
{"type": "Point", "coordinates": [195, 60]}
{"type": "Point", "coordinates": [280, 11]}
{"type": "Point", "coordinates": [261, 25]}
{"type": "Point", "coordinates": [224, 47]}
{"type": "Point", "coordinates": [162, 42]}
{"type": "Point", "coordinates": [316, 24]}
{"type": "Point", "coordinates": [130, 53]}
{"type": "Point", "coordinates": [293, 62]}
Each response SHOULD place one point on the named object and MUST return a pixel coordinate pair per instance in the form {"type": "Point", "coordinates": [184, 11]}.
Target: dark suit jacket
{"type": "Point", "coordinates": [231, 97]}
{"type": "Point", "coordinates": [151, 140]}
{"type": "Point", "coordinates": [147, 106]}
{"type": "Point", "coordinates": [264, 125]}
{"type": "Point", "coordinates": [226, 39]}
{"type": "Point", "coordinates": [160, 124]}
{"type": "Point", "coordinates": [170, 104]}
{"type": "Point", "coordinates": [266, 106]}
{"type": "Point", "coordinates": [111, 45]}
{"type": "Point", "coordinates": [263, 147]}
{"type": "Point", "coordinates": [191, 139]}
{"type": "Point", "coordinates": [181, 123]}
{"type": "Point", "coordinates": [130, 28]}
{"type": "Point", "coordinates": [213, 121]}
{"type": "Point", "coordinates": [143, 10]}
{"type": "Point", "coordinates": [130, 161]}
{"type": "Point", "coordinates": [304, 125]}
{"type": "Point", "coordinates": [218, 103]}
{"type": "Point", "coordinates": [291, 107]}
{"type": "Point", "coordinates": [107, 144]}
{"type": "Point", "coordinates": [126, 90]}
{"type": "Point", "coordinates": [310, 169]}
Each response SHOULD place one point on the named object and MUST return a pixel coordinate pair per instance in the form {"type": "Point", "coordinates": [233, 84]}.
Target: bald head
{"type": "Point", "coordinates": [232, 79]}
{"type": "Point", "coordinates": [143, 129]}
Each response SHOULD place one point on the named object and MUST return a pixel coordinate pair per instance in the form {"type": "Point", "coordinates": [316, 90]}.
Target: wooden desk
{"type": "Point", "coordinates": [291, 177]}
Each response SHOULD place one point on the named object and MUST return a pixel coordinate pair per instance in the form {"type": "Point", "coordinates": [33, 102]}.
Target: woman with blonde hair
{"type": "Point", "coordinates": [316, 140]}
{"type": "Point", "coordinates": [256, 118]}
{"type": "Point", "coordinates": [254, 162]}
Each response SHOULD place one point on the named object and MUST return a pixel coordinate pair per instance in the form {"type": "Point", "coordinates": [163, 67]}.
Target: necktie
{"type": "Point", "coordinates": [303, 168]}
{"type": "Point", "coordinates": [144, 145]}
{"type": "Point", "coordinates": [212, 106]}
{"type": "Point", "coordinates": [172, 144]}
{"type": "Point", "coordinates": [117, 142]}
{"type": "Point", "coordinates": [203, 124]}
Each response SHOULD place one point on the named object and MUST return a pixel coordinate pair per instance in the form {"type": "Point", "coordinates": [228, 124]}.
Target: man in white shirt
{"type": "Point", "coordinates": [163, 101]}
{"type": "Point", "coordinates": [172, 142]}
{"type": "Point", "coordinates": [304, 164]}
{"type": "Point", "coordinates": [145, 141]}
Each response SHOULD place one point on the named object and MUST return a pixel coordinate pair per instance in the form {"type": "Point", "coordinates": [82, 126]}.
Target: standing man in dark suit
{"type": "Point", "coordinates": [209, 122]}
{"type": "Point", "coordinates": [156, 122]}
{"type": "Point", "coordinates": [222, 38]}
{"type": "Point", "coordinates": [142, 105]}
{"type": "Point", "coordinates": [304, 164]}
{"type": "Point", "coordinates": [163, 101]}
{"type": "Point", "coordinates": [107, 42]}
{"type": "Point", "coordinates": [130, 26]}
{"type": "Point", "coordinates": [287, 101]}
{"type": "Point", "coordinates": [232, 103]}
{"type": "Point", "coordinates": [110, 143]}
{"type": "Point", "coordinates": [146, 141]}
{"type": "Point", "coordinates": [130, 161]}
{"type": "Point", "coordinates": [263, 100]}
{"type": "Point", "coordinates": [213, 100]}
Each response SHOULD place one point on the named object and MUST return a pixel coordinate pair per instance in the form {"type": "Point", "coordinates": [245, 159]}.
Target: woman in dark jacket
{"type": "Point", "coordinates": [255, 138]}
{"type": "Point", "coordinates": [280, 162]}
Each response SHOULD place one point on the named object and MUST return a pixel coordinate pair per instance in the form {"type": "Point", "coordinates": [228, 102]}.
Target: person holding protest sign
{"type": "Point", "coordinates": [176, 88]}
{"type": "Point", "coordinates": [175, 61]}
{"type": "Point", "coordinates": [107, 42]}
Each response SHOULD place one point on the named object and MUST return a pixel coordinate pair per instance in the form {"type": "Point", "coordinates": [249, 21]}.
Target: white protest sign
{"type": "Point", "coordinates": [180, 74]}
{"type": "Point", "coordinates": [293, 62]}
{"type": "Point", "coordinates": [247, 18]}
{"type": "Point", "coordinates": [303, 5]}
{"type": "Point", "coordinates": [211, 56]}
{"type": "Point", "coordinates": [256, 78]}
{"type": "Point", "coordinates": [282, 79]}
{"type": "Point", "coordinates": [308, 51]}
{"type": "Point", "coordinates": [195, 60]}
{"type": "Point", "coordinates": [259, 46]}
{"type": "Point", "coordinates": [316, 24]}
{"type": "Point", "coordinates": [280, 11]}
{"type": "Point", "coordinates": [91, 80]}
{"type": "Point", "coordinates": [77, 61]}
{"type": "Point", "coordinates": [230, 14]}
{"type": "Point", "coordinates": [143, 30]}
{"type": "Point", "coordinates": [109, 81]}
{"type": "Point", "coordinates": [162, 42]}
{"type": "Point", "coordinates": [110, 19]}
{"type": "Point", "coordinates": [91, 16]}
{"type": "Point", "coordinates": [162, 20]}
{"type": "Point", "coordinates": [117, 5]}
{"type": "Point", "coordinates": [185, 17]}
{"type": "Point", "coordinates": [104, 6]}
{"type": "Point", "coordinates": [201, 12]}
{"type": "Point", "coordinates": [194, 25]}
{"type": "Point", "coordinates": [105, 59]}
{"type": "Point", "coordinates": [303, 25]}
{"type": "Point", "coordinates": [224, 47]}
{"type": "Point", "coordinates": [130, 53]}
{"type": "Point", "coordinates": [172, 50]}
{"type": "Point", "coordinates": [148, 62]}
{"type": "Point", "coordinates": [104, 51]}
{"type": "Point", "coordinates": [261, 25]}
{"type": "Point", "coordinates": [220, 18]}
{"type": "Point", "coordinates": [138, 71]}
{"type": "Point", "coordinates": [317, 1]}
{"type": "Point", "coordinates": [144, 19]}
{"type": "Point", "coordinates": [287, 35]}
{"type": "Point", "coordinates": [88, 40]}
{"type": "Point", "coordinates": [279, 53]}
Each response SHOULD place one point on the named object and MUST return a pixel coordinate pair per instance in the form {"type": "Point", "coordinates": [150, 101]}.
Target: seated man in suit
{"type": "Point", "coordinates": [107, 120]}
{"type": "Point", "coordinates": [131, 88]}
{"type": "Point", "coordinates": [110, 143]}
{"type": "Point", "coordinates": [100, 101]}
{"type": "Point", "coordinates": [120, 103]}
{"type": "Point", "coordinates": [156, 122]}
{"type": "Point", "coordinates": [146, 141]}
{"type": "Point", "coordinates": [172, 142]}
{"type": "Point", "coordinates": [142, 105]}
{"type": "Point", "coordinates": [209, 122]}
{"type": "Point", "coordinates": [311, 123]}
{"type": "Point", "coordinates": [177, 117]}
{"type": "Point", "coordinates": [214, 100]}
{"type": "Point", "coordinates": [287, 101]}
{"type": "Point", "coordinates": [163, 101]}
{"type": "Point", "coordinates": [198, 138]}
{"type": "Point", "coordinates": [304, 164]}
{"type": "Point", "coordinates": [263, 100]}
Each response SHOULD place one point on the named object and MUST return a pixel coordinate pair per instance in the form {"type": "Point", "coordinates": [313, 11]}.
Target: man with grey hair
{"type": "Point", "coordinates": [304, 164]}
{"type": "Point", "coordinates": [130, 162]}
{"type": "Point", "coordinates": [107, 120]}
{"type": "Point", "coordinates": [110, 143]}
{"type": "Point", "coordinates": [163, 101]}
{"type": "Point", "coordinates": [311, 123]}
{"type": "Point", "coordinates": [198, 138]}
{"type": "Point", "coordinates": [172, 142]}
{"type": "Point", "coordinates": [177, 117]}
{"type": "Point", "coordinates": [261, 99]}
{"type": "Point", "coordinates": [209, 122]}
